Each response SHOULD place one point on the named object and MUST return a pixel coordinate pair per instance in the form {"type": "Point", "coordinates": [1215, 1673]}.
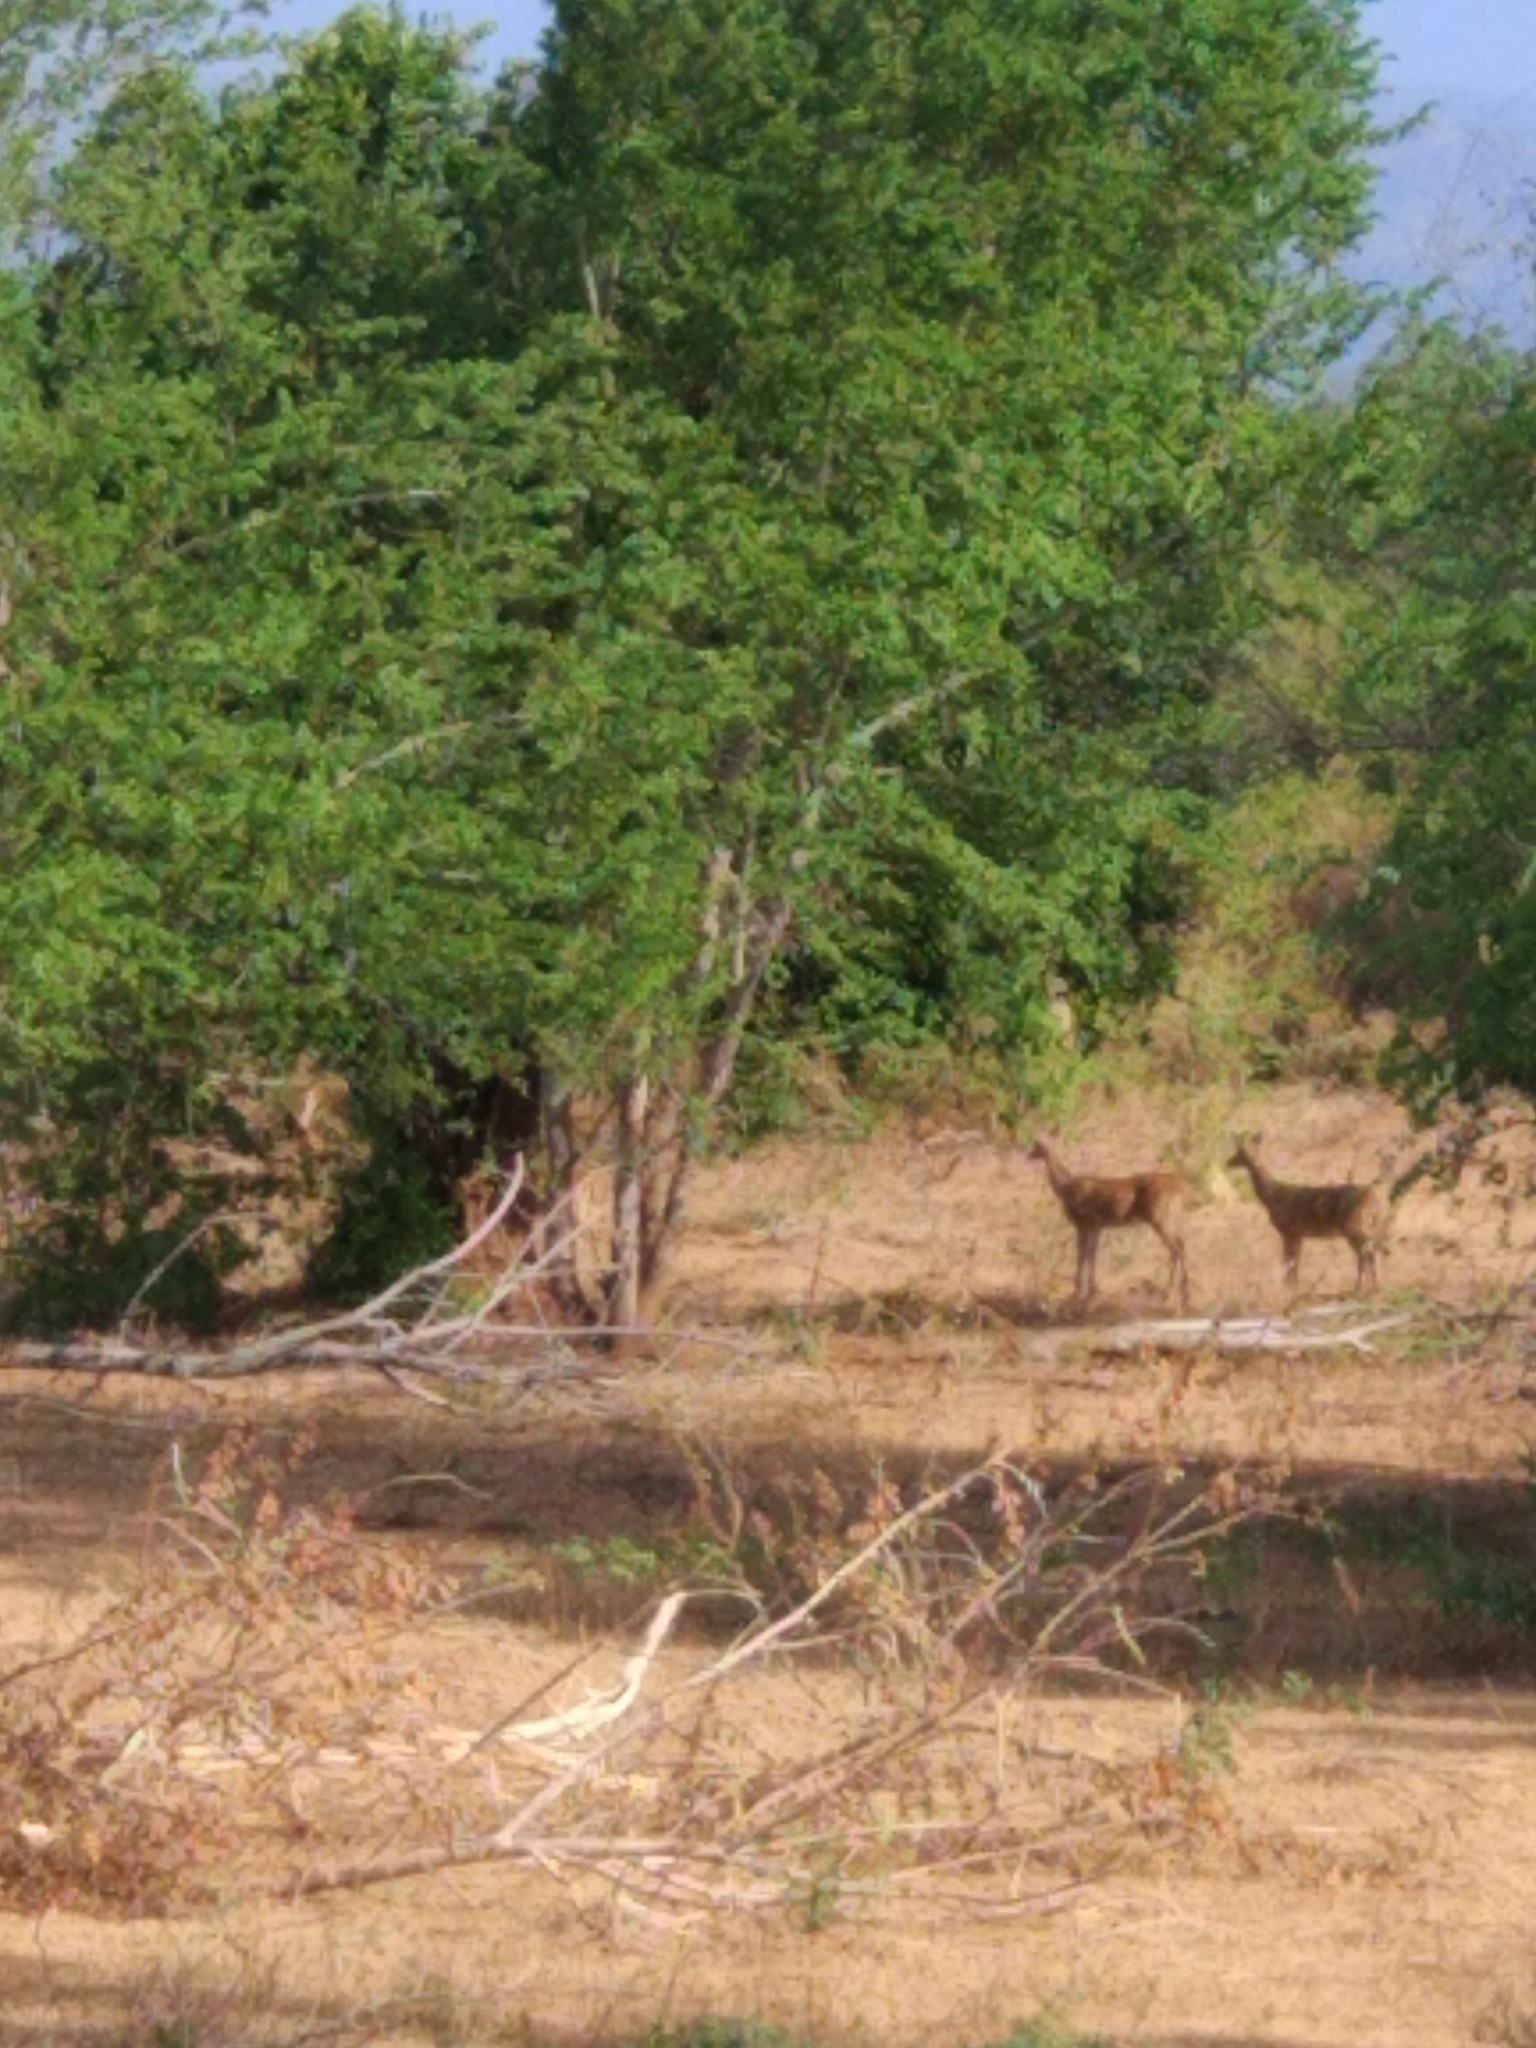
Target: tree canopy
{"type": "Point", "coordinates": [1422, 497]}
{"type": "Point", "coordinates": [502, 579]}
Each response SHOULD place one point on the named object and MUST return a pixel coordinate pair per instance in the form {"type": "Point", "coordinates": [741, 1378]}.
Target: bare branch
{"type": "Point", "coordinates": [1248, 1333]}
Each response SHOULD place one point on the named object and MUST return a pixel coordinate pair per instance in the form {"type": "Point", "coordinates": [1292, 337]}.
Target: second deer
{"type": "Point", "coordinates": [1359, 1213]}
{"type": "Point", "coordinates": [1098, 1202]}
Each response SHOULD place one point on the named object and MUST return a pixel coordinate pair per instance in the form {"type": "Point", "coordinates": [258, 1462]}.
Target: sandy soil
{"type": "Point", "coordinates": [1377, 1884]}
{"type": "Point", "coordinates": [1370, 1876]}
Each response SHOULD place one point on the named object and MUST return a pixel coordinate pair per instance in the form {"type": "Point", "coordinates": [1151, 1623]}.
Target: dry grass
{"type": "Point", "coordinates": [965, 1221]}
{"type": "Point", "coordinates": [1354, 1862]}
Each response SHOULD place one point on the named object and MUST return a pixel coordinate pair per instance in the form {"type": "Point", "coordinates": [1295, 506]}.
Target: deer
{"type": "Point", "coordinates": [1098, 1202]}
{"type": "Point", "coordinates": [1359, 1213]}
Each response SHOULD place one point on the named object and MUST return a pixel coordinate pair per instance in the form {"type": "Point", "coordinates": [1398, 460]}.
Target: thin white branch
{"type": "Point", "coordinates": [600, 1709]}
{"type": "Point", "coordinates": [1259, 1333]}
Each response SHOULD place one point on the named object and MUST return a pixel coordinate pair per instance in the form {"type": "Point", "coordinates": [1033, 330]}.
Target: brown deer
{"type": "Point", "coordinates": [1098, 1202]}
{"type": "Point", "coordinates": [1358, 1213]}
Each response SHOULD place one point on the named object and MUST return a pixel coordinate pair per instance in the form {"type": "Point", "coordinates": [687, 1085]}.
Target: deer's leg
{"type": "Point", "coordinates": [1178, 1266]}
{"type": "Point", "coordinates": [1291, 1259]}
{"type": "Point", "coordinates": [1087, 1265]}
{"type": "Point", "coordinates": [1365, 1264]}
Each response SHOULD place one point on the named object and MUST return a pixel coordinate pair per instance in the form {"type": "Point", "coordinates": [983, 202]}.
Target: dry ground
{"type": "Point", "coordinates": [959, 1221]}
{"type": "Point", "coordinates": [1372, 1878]}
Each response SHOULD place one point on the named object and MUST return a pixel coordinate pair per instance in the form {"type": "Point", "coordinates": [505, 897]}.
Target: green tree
{"type": "Point", "coordinates": [1424, 502]}
{"type": "Point", "coordinates": [496, 573]}
{"type": "Point", "coordinates": [59, 57]}
{"type": "Point", "coordinates": [986, 312]}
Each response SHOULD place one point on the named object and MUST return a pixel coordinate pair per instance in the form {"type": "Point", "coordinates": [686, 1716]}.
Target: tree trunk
{"type": "Point", "coordinates": [625, 1281]}
{"type": "Point", "coordinates": [666, 1158]}
{"type": "Point", "coordinates": [557, 1130]}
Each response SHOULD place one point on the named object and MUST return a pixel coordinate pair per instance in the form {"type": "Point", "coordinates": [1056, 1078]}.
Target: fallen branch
{"type": "Point", "coordinates": [260, 1676]}
{"type": "Point", "coordinates": [1248, 1333]}
{"type": "Point", "coordinates": [757, 1828]}
{"type": "Point", "coordinates": [418, 1324]}
{"type": "Point", "coordinates": [598, 1710]}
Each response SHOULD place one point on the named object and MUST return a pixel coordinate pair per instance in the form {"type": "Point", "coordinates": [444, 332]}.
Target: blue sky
{"type": "Point", "coordinates": [1486, 47]}
{"type": "Point", "coordinates": [515, 24]}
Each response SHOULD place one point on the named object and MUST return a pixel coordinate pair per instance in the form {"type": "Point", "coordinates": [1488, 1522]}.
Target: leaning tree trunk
{"type": "Point", "coordinates": [660, 1126]}
{"type": "Point", "coordinates": [685, 1118]}
{"type": "Point", "coordinates": [625, 1281]}
{"type": "Point", "coordinates": [562, 1158]}
{"type": "Point", "coordinates": [660, 1121]}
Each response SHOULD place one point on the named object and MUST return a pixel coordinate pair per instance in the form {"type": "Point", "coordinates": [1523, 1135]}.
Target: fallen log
{"type": "Point", "coordinates": [1225, 1335]}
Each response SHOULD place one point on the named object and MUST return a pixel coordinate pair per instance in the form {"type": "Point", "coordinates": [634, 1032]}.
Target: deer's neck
{"type": "Point", "coordinates": [1262, 1181]}
{"type": "Point", "coordinates": [1056, 1173]}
